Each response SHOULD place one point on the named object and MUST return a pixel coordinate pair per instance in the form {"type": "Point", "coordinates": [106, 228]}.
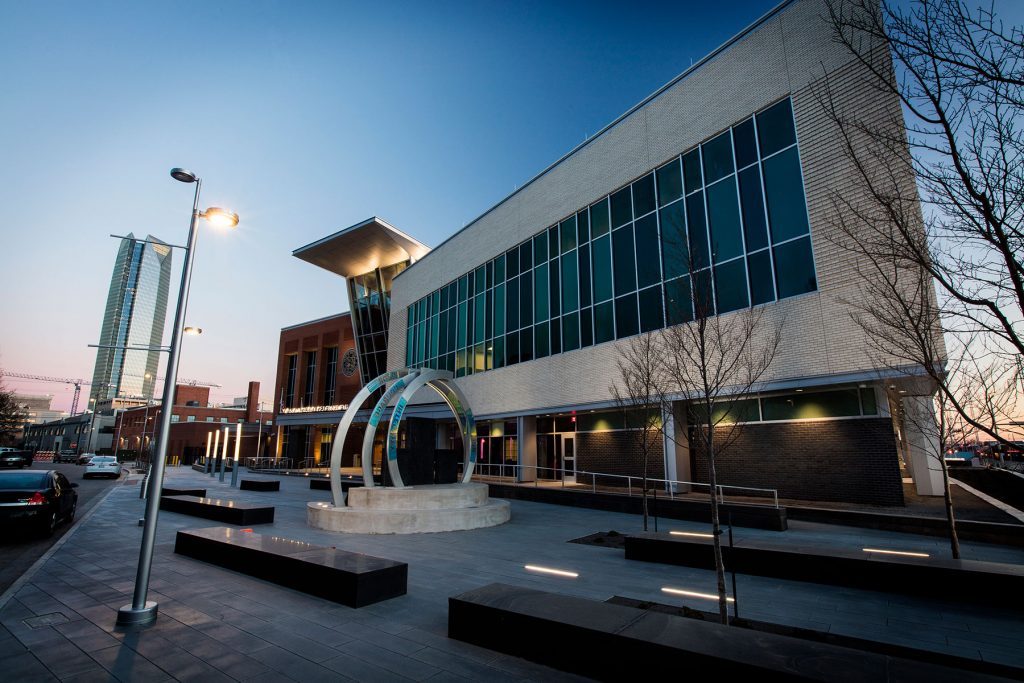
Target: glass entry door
{"type": "Point", "coordinates": [569, 458]}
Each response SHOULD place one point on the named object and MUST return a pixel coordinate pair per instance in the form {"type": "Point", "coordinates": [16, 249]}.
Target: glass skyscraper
{"type": "Point", "coordinates": [134, 316]}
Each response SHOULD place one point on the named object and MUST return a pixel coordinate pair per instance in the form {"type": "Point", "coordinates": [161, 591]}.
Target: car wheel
{"type": "Point", "coordinates": [74, 509]}
{"type": "Point", "coordinates": [48, 525]}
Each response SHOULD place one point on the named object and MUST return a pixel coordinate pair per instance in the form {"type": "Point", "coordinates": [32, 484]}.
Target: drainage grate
{"type": "Point", "coordinates": [51, 619]}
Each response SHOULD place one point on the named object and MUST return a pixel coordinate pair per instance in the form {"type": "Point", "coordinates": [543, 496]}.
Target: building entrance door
{"type": "Point", "coordinates": [569, 458]}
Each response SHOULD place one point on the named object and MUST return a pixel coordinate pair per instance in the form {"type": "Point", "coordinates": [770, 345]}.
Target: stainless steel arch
{"type": "Point", "coordinates": [346, 422]}
{"type": "Point", "coordinates": [371, 426]}
{"type": "Point", "coordinates": [441, 382]}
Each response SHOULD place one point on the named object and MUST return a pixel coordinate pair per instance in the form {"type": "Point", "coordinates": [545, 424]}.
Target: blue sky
{"type": "Point", "coordinates": [303, 117]}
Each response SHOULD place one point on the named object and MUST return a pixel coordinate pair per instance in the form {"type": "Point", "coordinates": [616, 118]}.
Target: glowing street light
{"type": "Point", "coordinates": [142, 611]}
{"type": "Point", "coordinates": [193, 331]}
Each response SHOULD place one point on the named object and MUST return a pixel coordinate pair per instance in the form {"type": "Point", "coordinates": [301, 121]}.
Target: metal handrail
{"type": "Point", "coordinates": [670, 484]}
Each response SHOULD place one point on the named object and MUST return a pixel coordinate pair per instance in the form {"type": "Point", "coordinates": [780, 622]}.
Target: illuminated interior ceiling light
{"type": "Point", "coordinates": [905, 553]}
{"type": "Point", "coordinates": [691, 533]}
{"type": "Point", "coordinates": [693, 594]}
{"type": "Point", "coordinates": [548, 570]}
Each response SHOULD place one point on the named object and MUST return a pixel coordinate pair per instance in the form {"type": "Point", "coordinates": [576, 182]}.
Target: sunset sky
{"type": "Point", "coordinates": [304, 118]}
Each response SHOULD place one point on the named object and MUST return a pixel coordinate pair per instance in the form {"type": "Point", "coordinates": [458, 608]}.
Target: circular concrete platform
{"type": "Point", "coordinates": [411, 510]}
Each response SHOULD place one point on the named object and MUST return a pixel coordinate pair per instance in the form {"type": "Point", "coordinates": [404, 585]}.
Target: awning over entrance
{"type": "Point", "coordinates": [361, 248]}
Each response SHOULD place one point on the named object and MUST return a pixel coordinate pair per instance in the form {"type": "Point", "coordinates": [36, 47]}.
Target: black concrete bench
{"type": "Point", "coordinates": [348, 578]}
{"type": "Point", "coordinates": [969, 580]}
{"type": "Point", "coordinates": [229, 511]}
{"type": "Point", "coordinates": [325, 484]}
{"type": "Point", "coordinates": [260, 485]}
{"type": "Point", "coordinates": [613, 642]}
{"type": "Point", "coordinates": [165, 491]}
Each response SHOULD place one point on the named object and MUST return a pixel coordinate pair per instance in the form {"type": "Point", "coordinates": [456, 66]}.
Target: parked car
{"type": "Point", "coordinates": [84, 458]}
{"type": "Point", "coordinates": [39, 499]}
{"type": "Point", "coordinates": [65, 456]}
{"type": "Point", "coordinates": [102, 466]}
{"type": "Point", "coordinates": [14, 458]}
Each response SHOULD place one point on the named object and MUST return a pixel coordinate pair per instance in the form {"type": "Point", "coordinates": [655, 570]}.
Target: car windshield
{"type": "Point", "coordinates": [23, 480]}
{"type": "Point", "coordinates": [103, 458]}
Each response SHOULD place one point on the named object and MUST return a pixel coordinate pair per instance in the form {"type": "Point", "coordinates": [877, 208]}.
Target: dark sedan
{"type": "Point", "coordinates": [12, 458]}
{"type": "Point", "coordinates": [37, 499]}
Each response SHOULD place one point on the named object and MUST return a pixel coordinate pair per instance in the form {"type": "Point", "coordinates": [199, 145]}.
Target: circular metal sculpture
{"type": "Point", "coordinates": [406, 382]}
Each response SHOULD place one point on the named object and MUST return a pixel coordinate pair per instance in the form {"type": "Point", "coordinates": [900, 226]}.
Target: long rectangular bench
{"type": "Point", "coordinates": [614, 642]}
{"type": "Point", "coordinates": [260, 485]}
{"type": "Point", "coordinates": [970, 580]}
{"type": "Point", "coordinates": [229, 511]}
{"type": "Point", "coordinates": [167, 491]}
{"type": "Point", "coordinates": [344, 577]}
{"type": "Point", "coordinates": [325, 484]}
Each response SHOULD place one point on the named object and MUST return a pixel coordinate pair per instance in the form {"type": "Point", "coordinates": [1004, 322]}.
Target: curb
{"type": "Point", "coordinates": [37, 565]}
{"type": "Point", "coordinates": [1008, 509]}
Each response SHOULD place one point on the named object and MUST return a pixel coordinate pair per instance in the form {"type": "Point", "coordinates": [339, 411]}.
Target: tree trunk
{"type": "Point", "coordinates": [954, 540]}
{"type": "Point", "coordinates": [716, 526]}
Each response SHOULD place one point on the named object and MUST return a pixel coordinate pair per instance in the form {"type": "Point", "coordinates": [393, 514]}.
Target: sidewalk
{"type": "Point", "coordinates": [215, 624]}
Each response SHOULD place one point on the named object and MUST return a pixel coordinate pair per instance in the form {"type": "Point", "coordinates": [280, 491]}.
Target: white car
{"type": "Point", "coordinates": [102, 466]}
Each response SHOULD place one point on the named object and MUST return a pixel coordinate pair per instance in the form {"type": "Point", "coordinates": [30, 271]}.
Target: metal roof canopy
{"type": "Point", "coordinates": [358, 249]}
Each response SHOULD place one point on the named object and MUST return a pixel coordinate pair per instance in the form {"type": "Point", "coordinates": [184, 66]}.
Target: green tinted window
{"type": "Point", "coordinates": [731, 285]}
{"type": "Point", "coordinates": [626, 321]}
{"type": "Point", "coordinates": [433, 336]}
{"type": "Point", "coordinates": [648, 263]}
{"type": "Point", "coordinates": [622, 207]}
{"type": "Point", "coordinates": [744, 144]}
{"type": "Point", "coordinates": [604, 324]}
{"type": "Point", "coordinates": [525, 256]}
{"type": "Point", "coordinates": [442, 346]}
{"type": "Point", "coordinates": [717, 157]}
{"type": "Point", "coordinates": [643, 196]}
{"type": "Point", "coordinates": [478, 319]}
{"type": "Point", "coordinates": [512, 308]}
{"type": "Point", "coordinates": [602, 268]}
{"type": "Point", "coordinates": [540, 341]}
{"type": "Point", "coordinates": [673, 240]}
{"type": "Point", "coordinates": [525, 300]}
{"type": "Point", "coordinates": [512, 348]}
{"type": "Point", "coordinates": [586, 327]}
{"type": "Point", "coordinates": [754, 226]}
{"type": "Point", "coordinates": [460, 363]}
{"type": "Point", "coordinates": [775, 128]}
{"type": "Point", "coordinates": [697, 229]}
{"type": "Point", "coordinates": [444, 298]}
{"type": "Point", "coordinates": [794, 268]}
{"type": "Point", "coordinates": [555, 290]}
{"type": "Point", "coordinates": [553, 241]}
{"type": "Point", "coordinates": [499, 310]}
{"type": "Point", "coordinates": [462, 325]}
{"type": "Point", "coordinates": [583, 226]}
{"type": "Point", "coordinates": [599, 218]}
{"type": "Point", "coordinates": [703, 294]}
{"type": "Point", "coordinates": [463, 287]}
{"type": "Point", "coordinates": [571, 332]}
{"type": "Point", "coordinates": [670, 182]}
{"type": "Point", "coordinates": [759, 270]}
{"type": "Point", "coordinates": [787, 211]}
{"type": "Point", "coordinates": [623, 260]}
{"type": "Point", "coordinates": [691, 171]}
{"type": "Point", "coordinates": [724, 220]}
{"type": "Point", "coordinates": [650, 309]}
{"type": "Point", "coordinates": [526, 345]}
{"type": "Point", "coordinates": [584, 273]}
{"type": "Point", "coordinates": [498, 346]}
{"type": "Point", "coordinates": [481, 283]}
{"type": "Point", "coordinates": [567, 230]}
{"type": "Point", "coordinates": [555, 336]}
{"type": "Point", "coordinates": [512, 263]}
{"type": "Point", "coordinates": [540, 293]}
{"type": "Point", "coordinates": [570, 282]}
{"type": "Point", "coordinates": [499, 270]}
{"type": "Point", "coordinates": [540, 249]}
{"type": "Point", "coordinates": [810, 405]}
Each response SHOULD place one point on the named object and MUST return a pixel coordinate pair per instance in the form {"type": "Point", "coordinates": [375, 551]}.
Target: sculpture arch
{"type": "Point", "coordinates": [406, 382]}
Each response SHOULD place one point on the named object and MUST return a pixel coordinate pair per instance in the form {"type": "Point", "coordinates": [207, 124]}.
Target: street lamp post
{"type": "Point", "coordinates": [140, 610]}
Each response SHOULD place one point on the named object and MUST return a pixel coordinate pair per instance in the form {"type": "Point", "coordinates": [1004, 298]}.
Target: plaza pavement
{"type": "Point", "coordinates": [215, 624]}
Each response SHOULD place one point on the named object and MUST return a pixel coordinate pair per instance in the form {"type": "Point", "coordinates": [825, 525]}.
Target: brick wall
{"type": "Point", "coordinates": [837, 460]}
{"type": "Point", "coordinates": [617, 453]}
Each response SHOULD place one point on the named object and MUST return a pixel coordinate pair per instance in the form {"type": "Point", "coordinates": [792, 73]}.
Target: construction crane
{"type": "Point", "coordinates": [78, 383]}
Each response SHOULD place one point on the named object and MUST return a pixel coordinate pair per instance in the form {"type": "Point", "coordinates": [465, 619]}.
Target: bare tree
{"type": "Point", "coordinates": [717, 362]}
{"type": "Point", "coordinates": [12, 416]}
{"type": "Point", "coordinates": [935, 209]}
{"type": "Point", "coordinates": [639, 395]}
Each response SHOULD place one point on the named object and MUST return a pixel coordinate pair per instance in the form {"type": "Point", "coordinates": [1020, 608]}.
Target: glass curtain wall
{"type": "Point", "coordinates": [729, 214]}
{"type": "Point", "coordinates": [370, 295]}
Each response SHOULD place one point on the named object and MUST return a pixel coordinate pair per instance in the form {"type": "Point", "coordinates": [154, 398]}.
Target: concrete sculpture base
{"type": "Point", "coordinates": [411, 510]}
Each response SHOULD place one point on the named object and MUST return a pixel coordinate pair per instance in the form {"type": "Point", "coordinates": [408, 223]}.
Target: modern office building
{"type": "Point", "coordinates": [134, 317]}
{"type": "Point", "coordinates": [731, 167]}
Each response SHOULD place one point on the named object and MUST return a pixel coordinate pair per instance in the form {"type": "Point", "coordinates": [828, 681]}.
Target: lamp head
{"type": "Point", "coordinates": [183, 175]}
{"type": "Point", "coordinates": [222, 218]}
{"type": "Point", "coordinates": [195, 331]}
